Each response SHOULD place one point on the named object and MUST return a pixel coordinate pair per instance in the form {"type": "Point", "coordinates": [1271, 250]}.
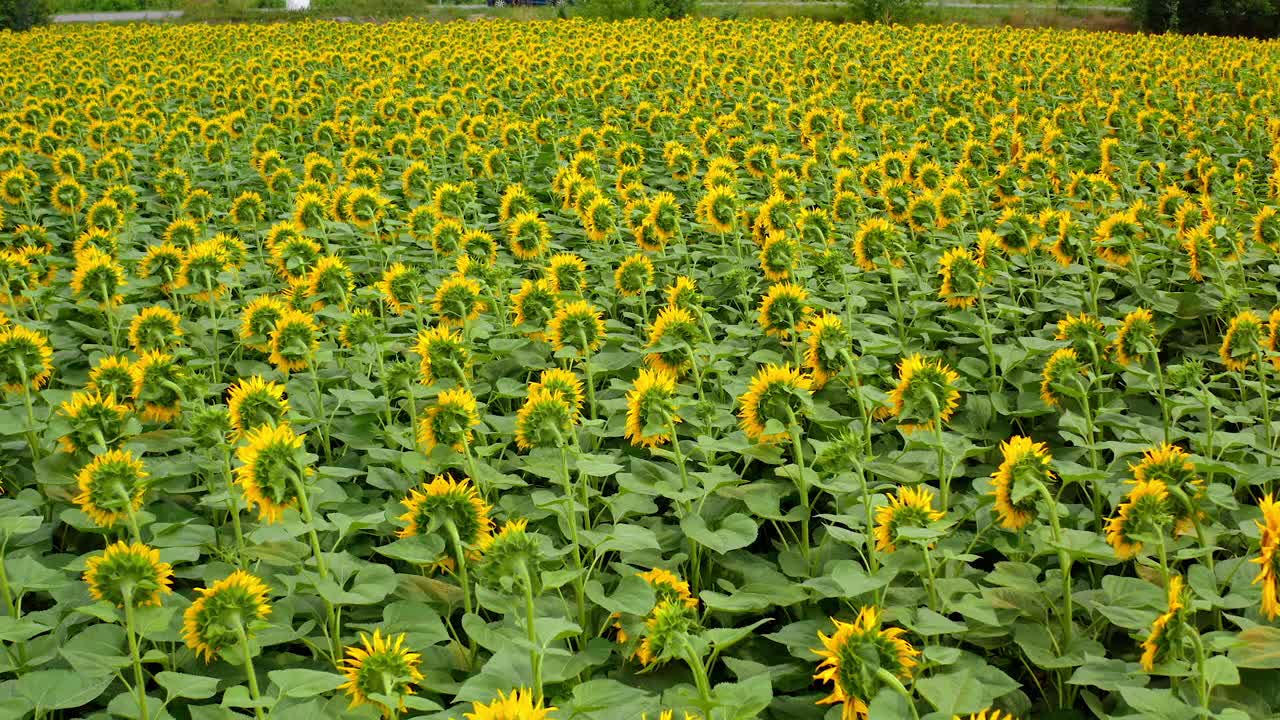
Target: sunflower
{"type": "Point", "coordinates": [777, 394]}
{"type": "Point", "coordinates": [1172, 466]}
{"type": "Point", "coordinates": [1025, 466]}
{"type": "Point", "coordinates": [111, 487]}
{"type": "Point", "coordinates": [254, 402]}
{"type": "Point", "coordinates": [545, 419]}
{"type": "Point", "coordinates": [925, 393]}
{"type": "Point", "coordinates": [26, 360]}
{"type": "Point", "coordinates": [293, 340]}
{"type": "Point", "coordinates": [665, 631]}
{"type": "Point", "coordinates": [576, 325]}
{"type": "Point", "coordinates": [444, 355]}
{"type": "Point", "coordinates": [718, 209]}
{"type": "Point", "coordinates": [1198, 243]}
{"type": "Point", "coordinates": [516, 201]}
{"type": "Point", "coordinates": [826, 348]}
{"type": "Point", "coordinates": [163, 261]}
{"type": "Point", "coordinates": [1266, 227]}
{"type": "Point", "coordinates": [399, 288]}
{"type": "Point", "coordinates": [911, 507]}
{"type": "Point", "coordinates": [875, 238]}
{"type": "Point", "coordinates": [671, 340]}
{"type": "Point", "coordinates": [443, 502]}
{"type": "Point", "coordinates": [1146, 509]}
{"type": "Point", "coordinates": [128, 574]}
{"type": "Point", "coordinates": [528, 235]}
{"type": "Point", "coordinates": [449, 420]}
{"type": "Point", "coordinates": [667, 587]}
{"type": "Point", "coordinates": [381, 665]}
{"type": "Point", "coordinates": [1136, 337]}
{"type": "Point", "coordinates": [1243, 342]}
{"type": "Point", "coordinates": [534, 305]}
{"type": "Point", "coordinates": [988, 714]}
{"type": "Point", "coordinates": [778, 256]}
{"type": "Point", "coordinates": [158, 381]}
{"type": "Point", "coordinates": [1167, 631]}
{"type": "Point", "coordinates": [97, 278]}
{"type": "Point", "coordinates": [273, 468]}
{"type": "Point", "coordinates": [225, 612]}
{"type": "Point", "coordinates": [258, 321]}
{"type": "Point", "coordinates": [154, 328]}
{"type": "Point", "coordinates": [1268, 558]}
{"type": "Point", "coordinates": [94, 419]}
{"type": "Point", "coordinates": [651, 408]}
{"type": "Point", "coordinates": [566, 273]}
{"type": "Point", "coordinates": [1086, 334]}
{"type": "Point", "coordinates": [360, 329]}
{"type": "Point", "coordinates": [203, 264]}
{"type": "Point", "coordinates": [784, 309]}
{"type": "Point", "coordinates": [633, 276]}
{"type": "Point", "coordinates": [329, 282]}
{"type": "Point", "coordinates": [663, 218]}
{"type": "Point", "coordinates": [458, 300]}
{"type": "Point", "coordinates": [683, 293]}
{"type": "Point", "coordinates": [112, 375]}
{"type": "Point", "coordinates": [565, 382]}
{"type": "Point", "coordinates": [519, 705]}
{"type": "Point", "coordinates": [961, 278]}
{"type": "Point", "coordinates": [1116, 237]}
{"type": "Point", "coordinates": [1059, 376]}
{"type": "Point", "coordinates": [852, 655]}
{"type": "Point", "coordinates": [293, 254]}
{"type": "Point", "coordinates": [1273, 337]}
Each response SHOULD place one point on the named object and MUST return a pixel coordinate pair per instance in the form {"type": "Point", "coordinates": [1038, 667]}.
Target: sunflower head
{"type": "Point", "coordinates": [210, 425]}
{"type": "Point", "coordinates": [719, 209]}
{"type": "Point", "coordinates": [459, 299]}
{"type": "Point", "coordinates": [293, 340]}
{"type": "Point", "coordinates": [665, 631]}
{"type": "Point", "coordinates": [128, 574]}
{"type": "Point", "coordinates": [112, 375]}
{"type": "Point", "coordinates": [827, 348]}
{"type": "Point", "coordinates": [1117, 237]}
{"type": "Point", "coordinates": [399, 288]}
{"type": "Point", "coordinates": [1244, 342]}
{"type": "Point", "coordinates": [510, 551]}
{"type": "Point", "coordinates": [784, 309]}
{"type": "Point", "coordinates": [874, 240]}
{"type": "Point", "coordinates": [926, 393]}
{"type": "Point", "coordinates": [567, 273]}
{"type": "Point", "coordinates": [565, 382]}
{"type": "Point", "coordinates": [274, 467]}
{"type": "Point", "coordinates": [778, 256]}
{"type": "Point", "coordinates": [258, 321]}
{"type": "Point", "coordinates": [1086, 334]}
{"type": "Point", "coordinates": [444, 502]}
{"type": "Point", "coordinates": [663, 218]}
{"type": "Point", "coordinates": [672, 338]}
{"type": "Point", "coordinates": [380, 665]}
{"type": "Point", "coordinates": [776, 396]}
{"type": "Point", "coordinates": [330, 281]}
{"type": "Point", "coordinates": [528, 235]}
{"type": "Point", "coordinates": [545, 420]}
{"type": "Point", "coordinates": [292, 253]}
{"type": "Point", "coordinates": [224, 611]}
{"type": "Point", "coordinates": [358, 330]}
{"type": "Point", "coordinates": [159, 382]}
{"type": "Point", "coordinates": [444, 355]}
{"type": "Point", "coordinates": [1268, 559]}
{"type": "Point", "coordinates": [97, 278]}
{"type": "Point", "coordinates": [651, 408]}
{"type": "Point", "coordinates": [94, 419]}
{"type": "Point", "coordinates": [1148, 509]}
{"type": "Point", "coordinates": [1136, 336]}
{"type": "Point", "coordinates": [577, 326]}
{"type": "Point", "coordinates": [26, 359]}
{"type": "Point", "coordinates": [155, 328]}
{"type": "Point", "coordinates": [1167, 631]}
{"type": "Point", "coordinates": [909, 508]}
{"type": "Point", "coordinates": [1060, 376]}
{"type": "Point", "coordinates": [962, 278]}
{"type": "Point", "coordinates": [683, 294]}
{"type": "Point", "coordinates": [519, 705]}
{"type": "Point", "coordinates": [111, 486]}
{"type": "Point", "coordinates": [202, 268]}
{"type": "Point", "coordinates": [634, 275]}
{"type": "Point", "coordinates": [852, 655]}
{"type": "Point", "coordinates": [534, 305]}
{"type": "Point", "coordinates": [254, 402]}
{"type": "Point", "coordinates": [1025, 467]}
{"type": "Point", "coordinates": [449, 420]}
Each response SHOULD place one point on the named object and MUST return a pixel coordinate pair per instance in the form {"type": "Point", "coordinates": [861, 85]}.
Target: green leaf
{"type": "Point", "coordinates": [964, 690]}
{"type": "Point", "coordinates": [1156, 703]}
{"type": "Point", "coordinates": [736, 531]}
{"type": "Point", "coordinates": [1219, 670]}
{"type": "Point", "coordinates": [194, 687]}
{"type": "Point", "coordinates": [19, 629]}
{"type": "Point", "coordinates": [1258, 648]}
{"type": "Point", "coordinates": [305, 683]}
{"type": "Point", "coordinates": [61, 689]}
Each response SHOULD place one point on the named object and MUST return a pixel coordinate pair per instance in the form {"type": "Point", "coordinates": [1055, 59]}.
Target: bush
{"type": "Point", "coordinates": [1254, 18]}
{"type": "Point", "coordinates": [619, 9]}
{"type": "Point", "coordinates": [884, 10]}
{"type": "Point", "coordinates": [23, 14]}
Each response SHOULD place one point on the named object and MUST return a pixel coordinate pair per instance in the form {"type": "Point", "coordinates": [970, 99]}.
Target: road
{"type": "Point", "coordinates": [151, 15]}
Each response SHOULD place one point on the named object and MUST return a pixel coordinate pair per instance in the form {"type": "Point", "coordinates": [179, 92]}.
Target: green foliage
{"type": "Point", "coordinates": [621, 9]}
{"type": "Point", "coordinates": [22, 14]}
{"type": "Point", "coordinates": [884, 10]}
{"type": "Point", "coordinates": [1253, 18]}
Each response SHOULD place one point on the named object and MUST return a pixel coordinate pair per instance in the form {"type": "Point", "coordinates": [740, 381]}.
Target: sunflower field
{"type": "Point", "coordinates": [642, 370]}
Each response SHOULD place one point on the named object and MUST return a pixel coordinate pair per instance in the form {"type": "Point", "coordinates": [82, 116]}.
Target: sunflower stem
{"type": "Point", "coordinates": [944, 474]}
{"type": "Point", "coordinates": [250, 674]}
{"type": "Point", "coordinates": [571, 513]}
{"type": "Point", "coordinates": [802, 485]}
{"type": "Point", "coordinates": [535, 652]}
{"type": "Point", "coordinates": [32, 438]}
{"type": "Point", "coordinates": [699, 670]}
{"type": "Point", "coordinates": [1164, 400]}
{"type": "Point", "coordinates": [1095, 497]}
{"type": "Point", "coordinates": [304, 505]}
{"type": "Point", "coordinates": [1064, 563]}
{"type": "Point", "coordinates": [322, 421]}
{"type": "Point", "coordinates": [1266, 408]}
{"type": "Point", "coordinates": [1202, 682]}
{"type": "Point", "coordinates": [932, 578]}
{"type": "Point", "coordinates": [233, 504]}
{"type": "Point", "coordinates": [130, 512]}
{"type": "Point", "coordinates": [993, 375]}
{"type": "Point", "coordinates": [139, 679]}
{"type": "Point", "coordinates": [856, 378]}
{"type": "Point", "coordinates": [897, 305]}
